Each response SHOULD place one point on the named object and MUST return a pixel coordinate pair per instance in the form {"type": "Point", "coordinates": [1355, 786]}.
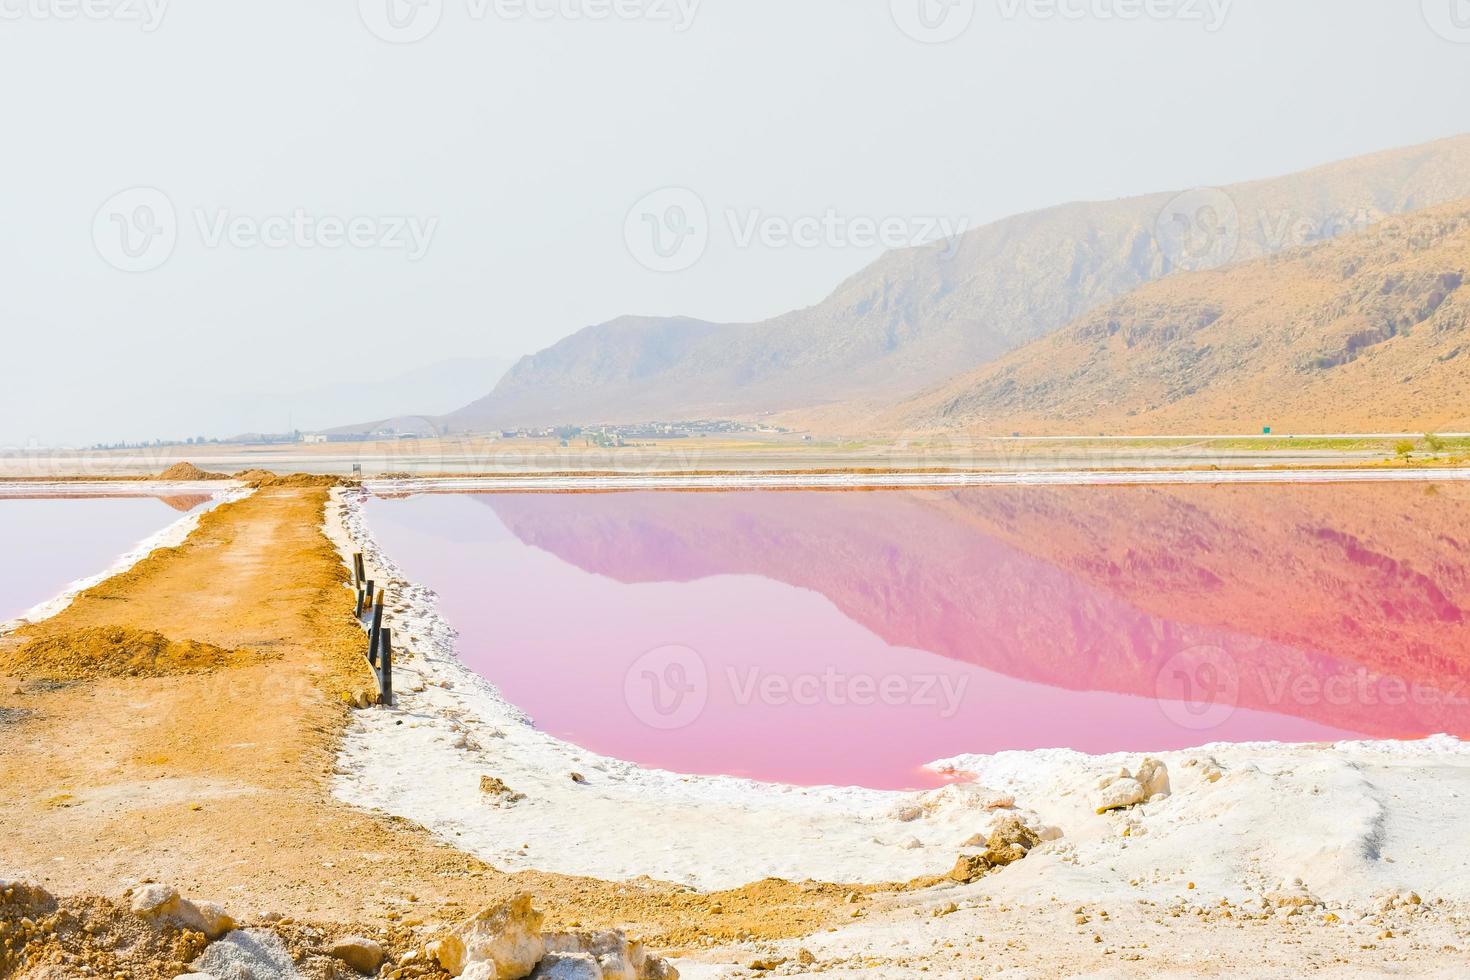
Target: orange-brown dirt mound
{"type": "Point", "coordinates": [115, 651]}
{"type": "Point", "coordinates": [89, 937]}
{"type": "Point", "coordinates": [265, 478]}
{"type": "Point", "coordinates": [184, 471]}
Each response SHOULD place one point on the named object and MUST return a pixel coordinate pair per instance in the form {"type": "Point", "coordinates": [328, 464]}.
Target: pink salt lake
{"type": "Point", "coordinates": [850, 638]}
{"type": "Point", "coordinates": [47, 543]}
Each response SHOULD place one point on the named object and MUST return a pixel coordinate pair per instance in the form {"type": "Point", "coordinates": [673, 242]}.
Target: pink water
{"type": "Point", "coordinates": [850, 638]}
{"type": "Point", "coordinates": [48, 543]}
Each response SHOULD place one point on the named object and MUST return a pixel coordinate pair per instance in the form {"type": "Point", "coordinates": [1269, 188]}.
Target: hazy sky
{"type": "Point", "coordinates": [469, 193]}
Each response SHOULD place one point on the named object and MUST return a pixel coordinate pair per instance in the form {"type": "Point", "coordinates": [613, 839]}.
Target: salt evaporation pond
{"type": "Point", "coordinates": [47, 543]}
{"type": "Point", "coordinates": [850, 638]}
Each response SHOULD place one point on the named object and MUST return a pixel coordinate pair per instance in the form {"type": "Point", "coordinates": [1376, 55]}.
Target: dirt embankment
{"type": "Point", "coordinates": [116, 651]}
{"type": "Point", "coordinates": [180, 722]}
{"type": "Point", "coordinates": [185, 472]}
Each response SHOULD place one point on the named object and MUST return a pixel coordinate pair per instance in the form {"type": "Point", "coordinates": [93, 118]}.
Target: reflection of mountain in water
{"type": "Point", "coordinates": [186, 502]}
{"type": "Point", "coordinates": [1093, 588]}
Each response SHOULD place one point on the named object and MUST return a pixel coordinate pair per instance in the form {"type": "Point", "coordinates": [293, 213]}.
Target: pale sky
{"type": "Point", "coordinates": [509, 148]}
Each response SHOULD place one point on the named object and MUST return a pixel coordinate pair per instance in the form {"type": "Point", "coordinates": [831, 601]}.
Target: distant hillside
{"type": "Point", "coordinates": [427, 393]}
{"type": "Point", "coordinates": [920, 316]}
{"type": "Point", "coordinates": [1370, 332]}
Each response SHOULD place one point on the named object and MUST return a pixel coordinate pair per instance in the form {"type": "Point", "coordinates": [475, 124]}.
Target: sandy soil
{"type": "Point", "coordinates": [220, 781]}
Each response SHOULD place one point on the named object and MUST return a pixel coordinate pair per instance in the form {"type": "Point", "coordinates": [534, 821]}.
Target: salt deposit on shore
{"type": "Point", "coordinates": [168, 537]}
{"type": "Point", "coordinates": [1355, 822]}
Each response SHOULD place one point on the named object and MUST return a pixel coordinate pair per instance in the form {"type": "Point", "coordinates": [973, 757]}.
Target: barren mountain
{"type": "Point", "coordinates": [1370, 332]}
{"type": "Point", "coordinates": [919, 316]}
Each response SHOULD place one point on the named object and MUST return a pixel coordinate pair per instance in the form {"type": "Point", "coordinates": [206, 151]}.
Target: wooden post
{"type": "Point", "coordinates": [358, 569]}
{"type": "Point", "coordinates": [361, 598]}
{"type": "Point", "coordinates": [369, 596]}
{"type": "Point", "coordinates": [377, 631]}
{"type": "Point", "coordinates": [385, 667]}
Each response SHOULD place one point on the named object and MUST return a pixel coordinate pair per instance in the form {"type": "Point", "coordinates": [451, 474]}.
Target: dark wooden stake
{"type": "Point", "coordinates": [361, 598]}
{"type": "Point", "coordinates": [385, 667]}
{"type": "Point", "coordinates": [377, 631]}
{"type": "Point", "coordinates": [358, 569]}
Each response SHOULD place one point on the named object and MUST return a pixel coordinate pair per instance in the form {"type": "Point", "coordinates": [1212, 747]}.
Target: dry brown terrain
{"type": "Point", "coordinates": [1369, 333]}
{"type": "Point", "coordinates": [213, 777]}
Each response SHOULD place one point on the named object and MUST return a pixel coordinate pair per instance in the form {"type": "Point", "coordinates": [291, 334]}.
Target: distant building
{"type": "Point", "coordinates": [314, 438]}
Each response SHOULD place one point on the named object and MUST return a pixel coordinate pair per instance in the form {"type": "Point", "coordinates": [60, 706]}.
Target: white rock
{"type": "Point", "coordinates": [1129, 789]}
{"type": "Point", "coordinates": [207, 917]}
{"type": "Point", "coordinates": [248, 954]}
{"type": "Point", "coordinates": [568, 966]}
{"type": "Point", "coordinates": [1121, 793]}
{"type": "Point", "coordinates": [609, 950]}
{"type": "Point", "coordinates": [615, 956]}
{"type": "Point", "coordinates": [163, 904]}
{"type": "Point", "coordinates": [154, 901]}
{"type": "Point", "coordinates": [362, 954]}
{"type": "Point", "coordinates": [1154, 776]}
{"type": "Point", "coordinates": [506, 937]}
{"type": "Point", "coordinates": [1293, 895]}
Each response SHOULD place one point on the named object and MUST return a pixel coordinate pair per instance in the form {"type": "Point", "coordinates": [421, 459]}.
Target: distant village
{"type": "Point", "coordinates": [599, 436]}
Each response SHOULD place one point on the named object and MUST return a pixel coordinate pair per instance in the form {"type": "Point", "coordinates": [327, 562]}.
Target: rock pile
{"type": "Point", "coordinates": [1125, 789]}
{"type": "Point", "coordinates": [499, 793]}
{"type": "Point", "coordinates": [163, 904]}
{"type": "Point", "coordinates": [506, 943]}
{"type": "Point", "coordinates": [362, 954]}
{"type": "Point", "coordinates": [1009, 841]}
